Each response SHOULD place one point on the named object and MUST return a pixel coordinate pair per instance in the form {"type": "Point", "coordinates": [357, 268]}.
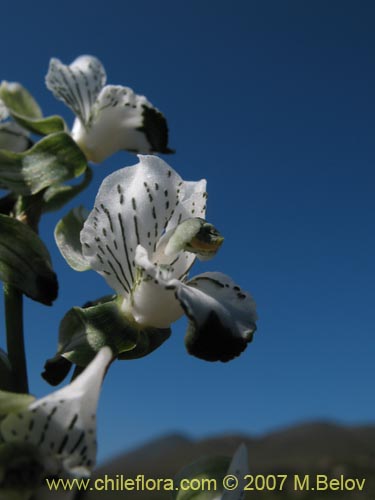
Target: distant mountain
{"type": "Point", "coordinates": [311, 448]}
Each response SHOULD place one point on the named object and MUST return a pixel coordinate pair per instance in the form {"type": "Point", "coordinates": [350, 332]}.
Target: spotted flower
{"type": "Point", "coordinates": [109, 118]}
{"type": "Point", "coordinates": [53, 436]}
{"type": "Point", "coordinates": [143, 236]}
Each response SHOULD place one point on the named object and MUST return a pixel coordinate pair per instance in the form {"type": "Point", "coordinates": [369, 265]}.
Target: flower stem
{"type": "Point", "coordinates": [13, 302]}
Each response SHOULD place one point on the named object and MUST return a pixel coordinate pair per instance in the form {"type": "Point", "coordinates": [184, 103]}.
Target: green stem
{"type": "Point", "coordinates": [27, 209]}
{"type": "Point", "coordinates": [15, 341]}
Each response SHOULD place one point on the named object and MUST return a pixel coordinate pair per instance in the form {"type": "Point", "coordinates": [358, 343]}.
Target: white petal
{"type": "Point", "coordinates": [179, 263]}
{"type": "Point", "coordinates": [77, 85]}
{"type": "Point", "coordinates": [222, 314]}
{"type": "Point", "coordinates": [238, 467]}
{"type": "Point", "coordinates": [153, 302]}
{"type": "Point", "coordinates": [133, 207]}
{"type": "Point", "coordinates": [238, 305]}
{"type": "Point", "coordinates": [3, 111]}
{"type": "Point", "coordinates": [193, 202]}
{"type": "Point", "coordinates": [121, 120]}
{"type": "Point", "coordinates": [13, 137]}
{"type": "Point", "coordinates": [193, 198]}
{"type": "Point", "coordinates": [62, 424]}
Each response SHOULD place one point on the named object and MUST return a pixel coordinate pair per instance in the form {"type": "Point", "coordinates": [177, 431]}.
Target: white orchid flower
{"type": "Point", "coordinates": [55, 435]}
{"type": "Point", "coordinates": [143, 235]}
{"type": "Point", "coordinates": [109, 118]}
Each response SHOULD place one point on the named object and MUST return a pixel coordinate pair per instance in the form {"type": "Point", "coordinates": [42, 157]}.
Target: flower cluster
{"type": "Point", "coordinates": [143, 235]}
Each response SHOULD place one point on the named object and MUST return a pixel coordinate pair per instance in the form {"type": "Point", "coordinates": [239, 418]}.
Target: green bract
{"type": "Point", "coordinates": [18, 100]}
{"type": "Point", "coordinates": [57, 195]}
{"type": "Point", "coordinates": [52, 160]}
{"type": "Point", "coordinates": [67, 238]}
{"type": "Point", "coordinates": [84, 331]}
{"type": "Point", "coordinates": [25, 110]}
{"type": "Point", "coordinates": [25, 262]}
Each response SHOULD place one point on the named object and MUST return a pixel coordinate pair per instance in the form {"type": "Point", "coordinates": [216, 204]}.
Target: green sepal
{"type": "Point", "coordinates": [25, 262]}
{"type": "Point", "coordinates": [52, 160]}
{"type": "Point", "coordinates": [205, 468]}
{"type": "Point", "coordinates": [58, 195]}
{"type": "Point", "coordinates": [67, 233]}
{"type": "Point", "coordinates": [25, 110]}
{"type": "Point", "coordinates": [6, 376]}
{"type": "Point", "coordinates": [12, 402]}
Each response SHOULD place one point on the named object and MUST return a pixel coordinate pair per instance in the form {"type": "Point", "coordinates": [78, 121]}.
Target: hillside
{"type": "Point", "coordinates": [313, 448]}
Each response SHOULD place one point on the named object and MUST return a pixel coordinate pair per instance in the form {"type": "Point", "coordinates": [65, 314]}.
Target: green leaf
{"type": "Point", "coordinates": [26, 111]}
{"type": "Point", "coordinates": [58, 195]}
{"type": "Point", "coordinates": [52, 160]}
{"type": "Point", "coordinates": [25, 262]}
{"type": "Point", "coordinates": [83, 331]}
{"type": "Point", "coordinates": [43, 126]}
{"type": "Point", "coordinates": [67, 238]}
{"type": "Point", "coordinates": [12, 402]}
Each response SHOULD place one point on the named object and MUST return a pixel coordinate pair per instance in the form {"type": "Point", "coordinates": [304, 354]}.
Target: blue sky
{"type": "Point", "coordinates": [274, 104]}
